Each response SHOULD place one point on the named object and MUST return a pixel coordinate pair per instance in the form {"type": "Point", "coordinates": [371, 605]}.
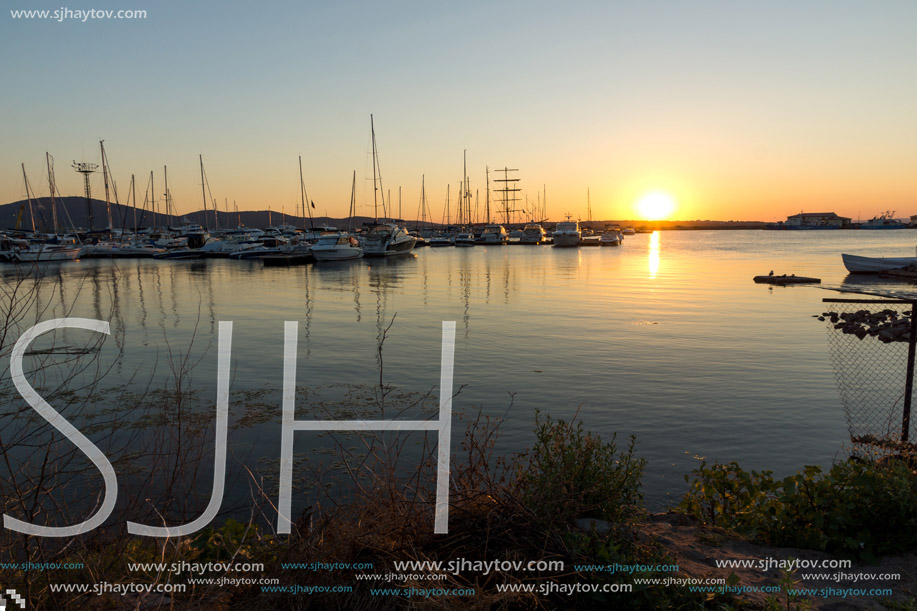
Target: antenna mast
{"type": "Point", "coordinates": [86, 169]}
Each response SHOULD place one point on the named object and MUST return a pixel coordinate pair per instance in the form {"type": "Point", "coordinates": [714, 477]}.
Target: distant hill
{"type": "Point", "coordinates": [72, 212]}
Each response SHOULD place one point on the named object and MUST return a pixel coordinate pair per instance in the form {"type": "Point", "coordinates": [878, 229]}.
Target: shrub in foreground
{"type": "Point", "coordinates": [854, 509]}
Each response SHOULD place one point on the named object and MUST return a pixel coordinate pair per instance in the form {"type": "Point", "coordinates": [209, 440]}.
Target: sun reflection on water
{"type": "Point", "coordinates": [654, 254]}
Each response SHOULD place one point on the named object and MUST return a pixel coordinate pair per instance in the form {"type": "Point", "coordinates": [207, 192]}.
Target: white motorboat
{"type": "Point", "coordinates": [440, 240]}
{"type": "Point", "coordinates": [611, 237]}
{"type": "Point", "coordinates": [629, 231]}
{"type": "Point", "coordinates": [339, 246]}
{"type": "Point", "coordinates": [49, 252]}
{"type": "Point", "coordinates": [494, 234]}
{"type": "Point", "coordinates": [533, 233]}
{"type": "Point", "coordinates": [387, 239]}
{"type": "Point", "coordinates": [119, 250]}
{"type": "Point", "coordinates": [464, 239]}
{"type": "Point", "coordinates": [194, 249]}
{"type": "Point", "coordinates": [11, 247]}
{"type": "Point", "coordinates": [315, 233]}
{"type": "Point", "coordinates": [567, 234]}
{"type": "Point", "coordinates": [856, 264]}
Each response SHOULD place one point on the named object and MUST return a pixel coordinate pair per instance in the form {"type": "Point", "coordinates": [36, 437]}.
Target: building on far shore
{"type": "Point", "coordinates": [812, 220]}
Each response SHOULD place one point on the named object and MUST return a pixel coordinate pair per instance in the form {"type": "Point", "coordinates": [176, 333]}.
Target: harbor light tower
{"type": "Point", "coordinates": [86, 169]}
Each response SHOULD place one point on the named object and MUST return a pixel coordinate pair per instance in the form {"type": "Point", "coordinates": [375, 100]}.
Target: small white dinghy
{"type": "Point", "coordinates": [856, 264]}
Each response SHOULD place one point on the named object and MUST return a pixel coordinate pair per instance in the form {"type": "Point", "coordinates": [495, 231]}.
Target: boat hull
{"type": "Point", "coordinates": [871, 265]}
{"type": "Point", "coordinates": [48, 254]}
{"type": "Point", "coordinates": [336, 254]}
{"type": "Point", "coordinates": [566, 240]}
{"type": "Point", "coordinates": [389, 249]}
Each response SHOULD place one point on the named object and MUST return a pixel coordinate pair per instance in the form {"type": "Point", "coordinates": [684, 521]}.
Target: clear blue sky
{"type": "Point", "coordinates": [738, 109]}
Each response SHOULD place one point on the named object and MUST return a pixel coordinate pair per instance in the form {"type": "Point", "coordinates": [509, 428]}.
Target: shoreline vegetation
{"type": "Point", "coordinates": [572, 497]}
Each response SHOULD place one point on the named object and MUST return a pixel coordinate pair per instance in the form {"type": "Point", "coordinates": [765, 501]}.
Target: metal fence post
{"type": "Point", "coordinates": [909, 383]}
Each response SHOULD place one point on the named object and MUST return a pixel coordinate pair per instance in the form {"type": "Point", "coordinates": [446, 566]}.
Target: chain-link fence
{"type": "Point", "coordinates": [872, 346]}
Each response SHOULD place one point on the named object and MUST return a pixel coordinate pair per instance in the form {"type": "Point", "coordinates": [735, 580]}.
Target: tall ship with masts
{"type": "Point", "coordinates": [383, 238]}
{"type": "Point", "coordinates": [496, 233]}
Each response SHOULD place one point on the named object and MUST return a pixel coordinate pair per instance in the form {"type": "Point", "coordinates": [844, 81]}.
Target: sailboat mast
{"type": "Point", "coordinates": [152, 198]}
{"type": "Point", "coordinates": [203, 190]}
{"type": "Point", "coordinates": [165, 178]}
{"type": "Point", "coordinates": [372, 130]}
{"type": "Point", "coordinates": [466, 204]}
{"type": "Point", "coordinates": [302, 194]}
{"type": "Point", "coordinates": [302, 190]}
{"type": "Point", "coordinates": [487, 205]}
{"type": "Point", "coordinates": [28, 196]}
{"type": "Point", "coordinates": [353, 193]}
{"type": "Point", "coordinates": [51, 185]}
{"type": "Point", "coordinates": [105, 180]}
{"type": "Point", "coordinates": [134, 197]}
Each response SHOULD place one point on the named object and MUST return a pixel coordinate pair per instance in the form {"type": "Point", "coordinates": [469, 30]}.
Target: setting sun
{"type": "Point", "coordinates": [656, 205]}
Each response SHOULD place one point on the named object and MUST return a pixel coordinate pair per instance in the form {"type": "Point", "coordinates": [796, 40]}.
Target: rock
{"type": "Point", "coordinates": [587, 524]}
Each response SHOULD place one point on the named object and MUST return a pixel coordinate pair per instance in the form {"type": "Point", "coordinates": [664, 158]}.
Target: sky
{"type": "Point", "coordinates": [739, 110]}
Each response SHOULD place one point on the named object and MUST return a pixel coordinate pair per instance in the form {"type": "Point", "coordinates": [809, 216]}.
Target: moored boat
{"type": "Point", "coordinates": [886, 220]}
{"type": "Point", "coordinates": [464, 240]}
{"type": "Point", "coordinates": [494, 234]}
{"type": "Point", "coordinates": [567, 234]}
{"type": "Point", "coordinates": [48, 252]}
{"type": "Point", "coordinates": [339, 246]}
{"type": "Point", "coordinates": [856, 264]}
{"type": "Point", "coordinates": [440, 240]}
{"type": "Point", "coordinates": [385, 238]}
{"type": "Point", "coordinates": [532, 233]}
{"type": "Point", "coordinates": [611, 237]}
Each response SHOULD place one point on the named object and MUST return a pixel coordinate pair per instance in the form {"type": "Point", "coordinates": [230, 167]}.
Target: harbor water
{"type": "Point", "coordinates": [666, 338]}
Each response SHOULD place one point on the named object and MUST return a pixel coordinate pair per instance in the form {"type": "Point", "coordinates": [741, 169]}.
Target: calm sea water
{"type": "Point", "coordinates": [665, 338]}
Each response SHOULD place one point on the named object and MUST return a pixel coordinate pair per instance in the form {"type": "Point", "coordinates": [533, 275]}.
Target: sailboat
{"type": "Point", "coordinates": [42, 251]}
{"type": "Point", "coordinates": [386, 238]}
{"type": "Point", "coordinates": [588, 237]}
{"type": "Point", "coordinates": [341, 245]}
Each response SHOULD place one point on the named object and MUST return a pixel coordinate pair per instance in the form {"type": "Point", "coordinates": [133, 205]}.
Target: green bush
{"type": "Point", "coordinates": [855, 509]}
{"type": "Point", "coordinates": [570, 474]}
